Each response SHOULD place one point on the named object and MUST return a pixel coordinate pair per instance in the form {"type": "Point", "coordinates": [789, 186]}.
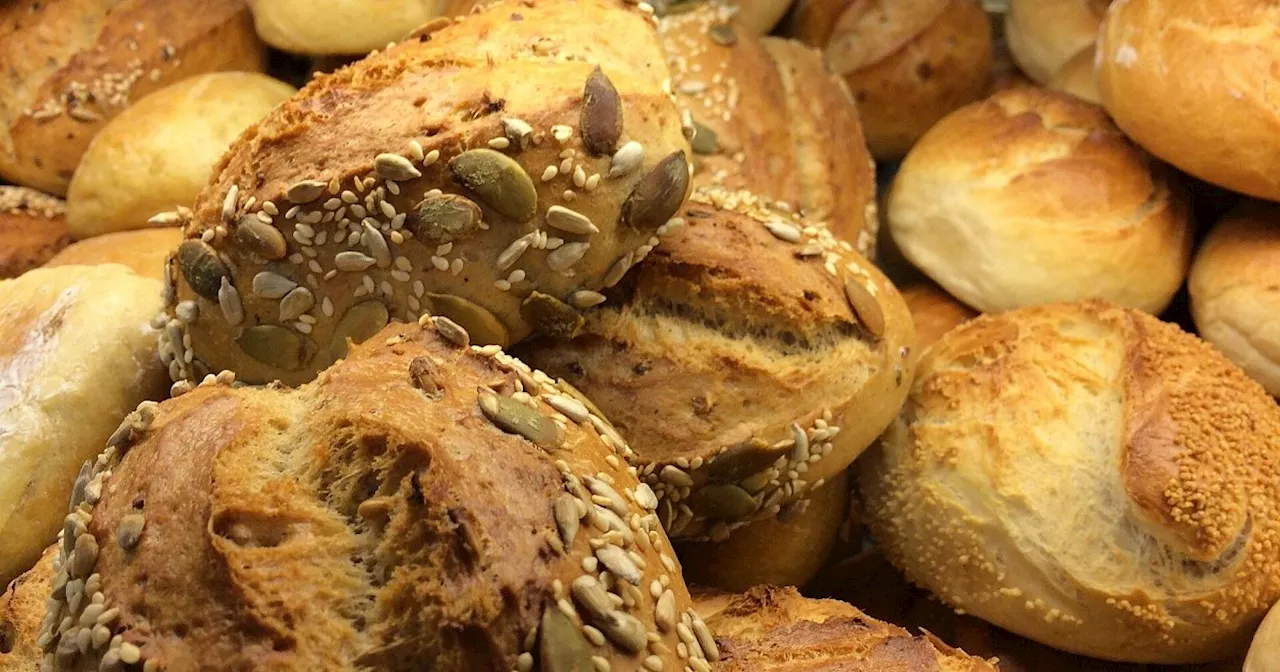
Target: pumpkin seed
{"type": "Point", "coordinates": [723, 34]}
{"type": "Point", "coordinates": [295, 303]}
{"type": "Point", "coordinates": [359, 324]}
{"type": "Point", "coordinates": [514, 417]}
{"type": "Point", "coordinates": [201, 268]}
{"type": "Point", "coordinates": [276, 346]}
{"type": "Point", "coordinates": [865, 307]}
{"type": "Point", "coordinates": [563, 648]}
{"type": "Point", "coordinates": [743, 460]}
{"type": "Point", "coordinates": [550, 316]}
{"type": "Point", "coordinates": [791, 511]}
{"type": "Point", "coordinates": [422, 375]}
{"type": "Point", "coordinates": [270, 285]}
{"type": "Point", "coordinates": [444, 218]}
{"type": "Point", "coordinates": [499, 181]}
{"type": "Point", "coordinates": [395, 167]}
{"type": "Point", "coordinates": [591, 597]}
{"type": "Point", "coordinates": [705, 140]}
{"type": "Point", "coordinates": [601, 114]}
{"type": "Point", "coordinates": [305, 191]}
{"type": "Point", "coordinates": [624, 630]}
{"type": "Point", "coordinates": [565, 510]}
{"type": "Point", "coordinates": [722, 502]}
{"type": "Point", "coordinates": [659, 194]}
{"type": "Point", "coordinates": [482, 325]}
{"type": "Point", "coordinates": [130, 531]}
{"type": "Point", "coordinates": [264, 240]}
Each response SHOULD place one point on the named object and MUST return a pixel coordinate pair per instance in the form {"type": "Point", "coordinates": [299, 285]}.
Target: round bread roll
{"type": "Point", "coordinates": [451, 506]}
{"type": "Point", "coordinates": [1076, 77]}
{"type": "Point", "coordinates": [143, 251]}
{"type": "Point", "coordinates": [76, 354]}
{"type": "Point", "coordinates": [347, 27]}
{"type": "Point", "coordinates": [463, 173]}
{"type": "Point", "coordinates": [1264, 654]}
{"type": "Point", "coordinates": [1089, 477]}
{"type": "Point", "coordinates": [72, 65]}
{"type": "Point", "coordinates": [159, 153]}
{"type": "Point", "coordinates": [1235, 291]}
{"type": "Point", "coordinates": [784, 551]}
{"type": "Point", "coordinates": [1183, 79]}
{"type": "Point", "coordinates": [770, 119]}
{"type": "Point", "coordinates": [1032, 196]}
{"type": "Point", "coordinates": [750, 360]}
{"type": "Point", "coordinates": [1044, 34]}
{"type": "Point", "coordinates": [934, 311]}
{"type": "Point", "coordinates": [33, 227]}
{"type": "Point", "coordinates": [777, 629]}
{"type": "Point", "coordinates": [908, 63]}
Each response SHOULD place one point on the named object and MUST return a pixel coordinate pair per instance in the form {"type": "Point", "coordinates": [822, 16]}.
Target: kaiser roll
{"type": "Point", "coordinates": [907, 63]}
{"type": "Point", "coordinates": [1089, 477]}
{"type": "Point", "coordinates": [499, 170]}
{"type": "Point", "coordinates": [1264, 654]}
{"type": "Point", "coordinates": [424, 502]}
{"type": "Point", "coordinates": [76, 354]}
{"type": "Point", "coordinates": [143, 251]}
{"type": "Point", "coordinates": [353, 27]}
{"type": "Point", "coordinates": [1032, 196]}
{"type": "Point", "coordinates": [1044, 34]}
{"type": "Point", "coordinates": [934, 311]}
{"type": "Point", "coordinates": [1076, 77]}
{"type": "Point", "coordinates": [72, 65]}
{"type": "Point", "coordinates": [33, 227]}
{"type": "Point", "coordinates": [1235, 291]}
{"type": "Point", "coordinates": [159, 153]}
{"type": "Point", "coordinates": [1191, 82]}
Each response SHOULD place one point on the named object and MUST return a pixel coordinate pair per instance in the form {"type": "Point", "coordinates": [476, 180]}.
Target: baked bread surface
{"type": "Point", "coordinates": [33, 228]}
{"type": "Point", "coordinates": [143, 251]}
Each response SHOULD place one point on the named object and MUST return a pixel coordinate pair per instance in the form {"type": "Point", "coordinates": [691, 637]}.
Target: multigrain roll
{"type": "Point", "coordinates": [33, 227]}
{"type": "Point", "coordinates": [76, 354]}
{"type": "Point", "coordinates": [159, 153]}
{"type": "Point", "coordinates": [1043, 35]}
{"type": "Point", "coordinates": [342, 27]}
{"type": "Point", "coordinates": [451, 506]}
{"type": "Point", "coordinates": [750, 360]}
{"type": "Point", "coordinates": [778, 630]}
{"type": "Point", "coordinates": [908, 63]}
{"type": "Point", "coordinates": [1182, 79]}
{"type": "Point", "coordinates": [1089, 477]}
{"type": "Point", "coordinates": [1032, 196]}
{"type": "Point", "coordinates": [1264, 654]}
{"type": "Point", "coordinates": [143, 251]}
{"type": "Point", "coordinates": [500, 171]}
{"type": "Point", "coordinates": [934, 311]}
{"type": "Point", "coordinates": [1235, 291]}
{"type": "Point", "coordinates": [770, 119]}
{"type": "Point", "coordinates": [72, 65]}
{"type": "Point", "coordinates": [1076, 77]}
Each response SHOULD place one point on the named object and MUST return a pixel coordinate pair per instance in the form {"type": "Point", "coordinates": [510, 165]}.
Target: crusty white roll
{"type": "Point", "coordinates": [1264, 654]}
{"type": "Point", "coordinates": [143, 251]}
{"type": "Point", "coordinates": [1193, 83]}
{"type": "Point", "coordinates": [159, 153]}
{"type": "Point", "coordinates": [1044, 34]}
{"type": "Point", "coordinates": [1235, 291]}
{"type": "Point", "coordinates": [1087, 476]}
{"type": "Point", "coordinates": [1033, 196]}
{"type": "Point", "coordinates": [342, 26]}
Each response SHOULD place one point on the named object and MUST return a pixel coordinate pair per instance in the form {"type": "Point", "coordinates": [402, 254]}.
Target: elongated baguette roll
{"type": "Point", "coordinates": [500, 170]}
{"type": "Point", "coordinates": [33, 227]}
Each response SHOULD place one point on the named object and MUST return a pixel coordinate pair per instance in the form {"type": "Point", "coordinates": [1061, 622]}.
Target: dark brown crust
{"type": "Point", "coordinates": [33, 228]}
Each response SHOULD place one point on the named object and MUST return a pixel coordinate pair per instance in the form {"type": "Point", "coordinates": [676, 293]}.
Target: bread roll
{"type": "Point", "coordinates": [1264, 654]}
{"type": "Point", "coordinates": [1044, 34]}
{"type": "Point", "coordinates": [907, 63]}
{"type": "Point", "coordinates": [934, 311]}
{"type": "Point", "coordinates": [1089, 477]}
{"type": "Point", "coordinates": [759, 16]}
{"type": "Point", "coordinates": [22, 608]}
{"type": "Point", "coordinates": [749, 360]}
{"type": "Point", "coordinates": [1183, 80]}
{"type": "Point", "coordinates": [353, 27]}
{"type": "Point", "coordinates": [76, 354]}
{"type": "Point", "coordinates": [33, 227]}
{"type": "Point", "coordinates": [159, 153]}
{"type": "Point", "coordinates": [450, 506]}
{"type": "Point", "coordinates": [143, 251]}
{"type": "Point", "coordinates": [1076, 77]}
{"type": "Point", "coordinates": [463, 173]}
{"type": "Point", "coordinates": [771, 120]}
{"type": "Point", "coordinates": [72, 65]}
{"type": "Point", "coordinates": [777, 630]}
{"type": "Point", "coordinates": [1235, 291]}
{"type": "Point", "coordinates": [784, 551]}
{"type": "Point", "coordinates": [1032, 196]}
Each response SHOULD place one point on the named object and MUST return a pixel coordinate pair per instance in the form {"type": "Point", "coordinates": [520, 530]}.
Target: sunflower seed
{"type": "Point", "coordinates": [591, 597]}
{"type": "Point", "coordinates": [85, 556]}
{"type": "Point", "coordinates": [518, 131]}
{"type": "Point", "coordinates": [615, 501]}
{"type": "Point", "coordinates": [451, 331]}
{"type": "Point", "coordinates": [624, 630]}
{"type": "Point", "coordinates": [865, 307]}
{"type": "Point", "coordinates": [295, 303]}
{"type": "Point", "coordinates": [565, 509]}
{"type": "Point", "coordinates": [563, 647]}
{"type": "Point", "coordinates": [275, 346]}
{"type": "Point", "coordinates": [270, 285]}
{"type": "Point", "coordinates": [627, 159]}
{"type": "Point", "coordinates": [645, 497]}
{"type": "Point", "coordinates": [354, 262]}
{"type": "Point", "coordinates": [261, 239]}
{"type": "Point", "coordinates": [618, 562]}
{"type": "Point", "coordinates": [572, 221]}
{"type": "Point", "coordinates": [444, 218]}
{"type": "Point", "coordinates": [572, 408]}
{"type": "Point", "coordinates": [783, 231]}
{"type": "Point", "coordinates": [499, 181]}
{"type": "Point", "coordinates": [514, 417]}
{"type": "Point", "coordinates": [305, 191]}
{"type": "Point", "coordinates": [229, 204]}
{"type": "Point", "coordinates": [659, 194]}
{"type": "Point", "coordinates": [130, 530]}
{"type": "Point", "coordinates": [601, 114]}
{"type": "Point", "coordinates": [229, 302]}
{"type": "Point", "coordinates": [201, 268]}
{"type": "Point", "coordinates": [673, 475]}
{"type": "Point", "coordinates": [705, 640]}
{"type": "Point", "coordinates": [619, 270]}
{"type": "Point", "coordinates": [515, 250]}
{"type": "Point", "coordinates": [372, 239]}
{"type": "Point", "coordinates": [395, 167]}
{"type": "Point", "coordinates": [565, 256]}
{"type": "Point", "coordinates": [483, 326]}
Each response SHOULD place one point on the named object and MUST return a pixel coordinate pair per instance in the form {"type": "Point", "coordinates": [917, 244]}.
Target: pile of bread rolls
{"type": "Point", "coordinates": [612, 335]}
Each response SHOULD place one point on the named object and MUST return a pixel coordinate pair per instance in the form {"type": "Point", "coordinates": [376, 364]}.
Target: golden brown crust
{"type": "Point", "coordinates": [1043, 35]}
{"type": "Point", "coordinates": [74, 64]}
{"type": "Point", "coordinates": [934, 311]}
{"type": "Point", "coordinates": [22, 608]}
{"type": "Point", "coordinates": [143, 251]}
{"type": "Point", "coordinates": [1033, 432]}
{"type": "Point", "coordinates": [33, 227]}
{"type": "Point", "coordinates": [510, 165]}
{"type": "Point", "coordinates": [1076, 77]}
{"type": "Point", "coordinates": [423, 500]}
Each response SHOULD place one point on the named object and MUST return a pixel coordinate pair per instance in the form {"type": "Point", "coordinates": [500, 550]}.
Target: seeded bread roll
{"type": "Point", "coordinates": [72, 65]}
{"type": "Point", "coordinates": [76, 354]}
{"type": "Point", "coordinates": [499, 171]}
{"type": "Point", "coordinates": [144, 251]}
{"type": "Point", "coordinates": [908, 63]}
{"type": "Point", "coordinates": [777, 630]}
{"type": "Point", "coordinates": [33, 227]}
{"type": "Point", "coordinates": [934, 311]}
{"type": "Point", "coordinates": [22, 607]}
{"type": "Point", "coordinates": [1089, 477]}
{"type": "Point", "coordinates": [1032, 196]}
{"type": "Point", "coordinates": [133, 171]}
{"type": "Point", "coordinates": [451, 506]}
{"type": "Point", "coordinates": [1044, 34]}
{"type": "Point", "coordinates": [349, 27]}
{"type": "Point", "coordinates": [1235, 291]}
{"type": "Point", "coordinates": [1076, 77]}
{"type": "Point", "coordinates": [750, 360]}
{"type": "Point", "coordinates": [771, 120]}
{"type": "Point", "coordinates": [1264, 654]}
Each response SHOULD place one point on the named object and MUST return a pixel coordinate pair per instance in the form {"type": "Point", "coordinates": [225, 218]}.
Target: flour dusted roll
{"type": "Point", "coordinates": [499, 170]}
{"type": "Point", "coordinates": [33, 227]}
{"type": "Point", "coordinates": [143, 251]}
{"type": "Point", "coordinates": [347, 27]}
{"type": "Point", "coordinates": [1043, 35]}
{"type": "Point", "coordinates": [1089, 477]}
